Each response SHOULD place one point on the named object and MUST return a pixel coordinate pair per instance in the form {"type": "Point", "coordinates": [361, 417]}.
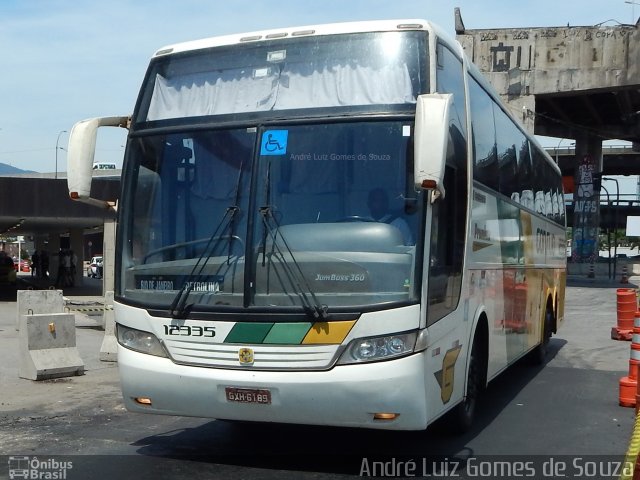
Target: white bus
{"type": "Point", "coordinates": [322, 225]}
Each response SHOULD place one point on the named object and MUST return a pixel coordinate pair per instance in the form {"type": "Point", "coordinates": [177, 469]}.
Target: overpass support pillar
{"type": "Point", "coordinates": [54, 259]}
{"type": "Point", "coordinates": [109, 256]}
{"type": "Point", "coordinates": [76, 242]}
{"type": "Point", "coordinates": [586, 217]}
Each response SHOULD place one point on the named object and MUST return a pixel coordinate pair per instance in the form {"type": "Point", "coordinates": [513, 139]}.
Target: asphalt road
{"type": "Point", "coordinates": [564, 410]}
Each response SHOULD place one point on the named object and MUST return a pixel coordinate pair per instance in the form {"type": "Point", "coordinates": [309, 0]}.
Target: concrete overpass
{"type": "Point", "coordinates": [580, 83]}
{"type": "Point", "coordinates": [563, 82]}
{"type": "Point", "coordinates": [38, 205]}
{"type": "Point", "coordinates": [616, 160]}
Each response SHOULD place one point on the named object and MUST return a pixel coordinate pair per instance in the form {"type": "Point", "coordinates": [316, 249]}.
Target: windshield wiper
{"type": "Point", "coordinates": [232, 221]}
{"type": "Point", "coordinates": [264, 213]}
{"type": "Point", "coordinates": [311, 305]}
{"type": "Point", "coordinates": [179, 308]}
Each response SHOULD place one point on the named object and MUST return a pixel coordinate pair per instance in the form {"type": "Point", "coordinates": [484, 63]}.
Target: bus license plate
{"type": "Point", "coordinates": [248, 395]}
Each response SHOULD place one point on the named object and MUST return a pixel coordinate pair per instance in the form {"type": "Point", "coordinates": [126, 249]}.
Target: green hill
{"type": "Point", "coordinates": [10, 170]}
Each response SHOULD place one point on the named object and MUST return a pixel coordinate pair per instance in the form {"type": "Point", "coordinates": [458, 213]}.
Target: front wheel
{"type": "Point", "coordinates": [539, 354]}
{"type": "Point", "coordinates": [465, 411]}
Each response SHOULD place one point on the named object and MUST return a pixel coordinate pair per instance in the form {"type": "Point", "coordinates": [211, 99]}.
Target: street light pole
{"type": "Point", "coordinates": [633, 10]}
{"type": "Point", "coordinates": [615, 230]}
{"type": "Point", "coordinates": [608, 232]}
{"type": "Point", "coordinates": [57, 141]}
{"type": "Point", "coordinates": [558, 148]}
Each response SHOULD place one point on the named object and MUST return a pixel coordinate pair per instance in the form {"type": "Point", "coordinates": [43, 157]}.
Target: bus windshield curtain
{"type": "Point", "coordinates": [279, 87]}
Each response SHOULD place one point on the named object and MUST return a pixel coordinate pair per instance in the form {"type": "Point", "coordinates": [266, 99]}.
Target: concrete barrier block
{"type": "Point", "coordinates": [48, 347]}
{"type": "Point", "coordinates": [109, 348]}
{"type": "Point", "coordinates": [33, 302]}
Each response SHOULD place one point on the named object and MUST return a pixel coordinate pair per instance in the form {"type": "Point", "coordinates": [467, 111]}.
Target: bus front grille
{"type": "Point", "coordinates": [255, 357]}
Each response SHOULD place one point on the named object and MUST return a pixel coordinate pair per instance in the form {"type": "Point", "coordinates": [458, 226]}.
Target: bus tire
{"type": "Point", "coordinates": [465, 411]}
{"type": "Point", "coordinates": [539, 354]}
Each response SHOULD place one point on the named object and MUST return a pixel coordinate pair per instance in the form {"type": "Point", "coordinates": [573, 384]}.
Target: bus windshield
{"type": "Point", "coordinates": [354, 70]}
{"type": "Point", "coordinates": [298, 216]}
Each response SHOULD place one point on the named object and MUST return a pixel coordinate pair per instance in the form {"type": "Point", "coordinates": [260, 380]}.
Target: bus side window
{"type": "Point", "coordinates": [447, 246]}
{"type": "Point", "coordinates": [525, 174]}
{"type": "Point", "coordinates": [509, 140]}
{"type": "Point", "coordinates": [448, 229]}
{"type": "Point", "coordinates": [450, 79]}
{"type": "Point", "coordinates": [484, 140]}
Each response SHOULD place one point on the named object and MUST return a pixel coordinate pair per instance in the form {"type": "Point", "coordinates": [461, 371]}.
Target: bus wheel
{"type": "Point", "coordinates": [539, 354]}
{"type": "Point", "coordinates": [466, 410]}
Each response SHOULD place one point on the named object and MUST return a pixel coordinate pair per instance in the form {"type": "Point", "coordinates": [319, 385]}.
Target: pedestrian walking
{"type": "Point", "coordinates": [35, 259]}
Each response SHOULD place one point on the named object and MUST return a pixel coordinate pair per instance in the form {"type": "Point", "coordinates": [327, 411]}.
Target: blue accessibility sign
{"type": "Point", "coordinates": [274, 142]}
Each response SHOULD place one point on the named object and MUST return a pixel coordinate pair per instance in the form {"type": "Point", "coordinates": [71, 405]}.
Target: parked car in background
{"type": "Point", "coordinates": [95, 267]}
{"type": "Point", "coordinates": [22, 266]}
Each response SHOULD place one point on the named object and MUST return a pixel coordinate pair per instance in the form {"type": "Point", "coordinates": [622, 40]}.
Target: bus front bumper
{"type": "Point", "coordinates": [347, 396]}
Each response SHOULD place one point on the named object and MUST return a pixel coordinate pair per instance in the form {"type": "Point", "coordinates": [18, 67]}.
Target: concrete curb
{"type": "Point", "coordinates": [48, 347]}
{"type": "Point", "coordinates": [33, 302]}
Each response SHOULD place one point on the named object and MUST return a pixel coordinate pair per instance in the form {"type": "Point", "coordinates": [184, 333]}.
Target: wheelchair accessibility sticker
{"type": "Point", "coordinates": [274, 142]}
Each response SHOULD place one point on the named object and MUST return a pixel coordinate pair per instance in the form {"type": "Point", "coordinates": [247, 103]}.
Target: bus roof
{"type": "Point", "coordinates": [304, 31]}
{"type": "Point", "coordinates": [344, 28]}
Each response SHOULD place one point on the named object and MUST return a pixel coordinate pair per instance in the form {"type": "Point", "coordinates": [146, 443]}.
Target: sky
{"type": "Point", "coordinates": [62, 61]}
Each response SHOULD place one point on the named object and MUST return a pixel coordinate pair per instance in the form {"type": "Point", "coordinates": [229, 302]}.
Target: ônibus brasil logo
{"type": "Point", "coordinates": [34, 468]}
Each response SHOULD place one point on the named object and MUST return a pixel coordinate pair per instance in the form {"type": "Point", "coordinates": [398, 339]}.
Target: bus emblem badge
{"type": "Point", "coordinates": [245, 356]}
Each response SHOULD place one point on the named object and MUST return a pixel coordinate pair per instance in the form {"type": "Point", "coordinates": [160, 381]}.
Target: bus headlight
{"type": "Point", "coordinates": [143, 342]}
{"type": "Point", "coordinates": [373, 349]}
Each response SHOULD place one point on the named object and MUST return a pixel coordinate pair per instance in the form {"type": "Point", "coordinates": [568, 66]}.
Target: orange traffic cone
{"type": "Point", "coordinates": [628, 396]}
{"type": "Point", "coordinates": [625, 275]}
{"type": "Point", "coordinates": [626, 307]}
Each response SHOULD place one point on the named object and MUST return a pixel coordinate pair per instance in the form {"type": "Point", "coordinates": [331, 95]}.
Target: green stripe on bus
{"type": "Point", "coordinates": [288, 333]}
{"type": "Point", "coordinates": [248, 333]}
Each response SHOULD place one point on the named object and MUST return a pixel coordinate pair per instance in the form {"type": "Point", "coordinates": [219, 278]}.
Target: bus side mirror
{"type": "Point", "coordinates": [80, 155]}
{"type": "Point", "coordinates": [431, 137]}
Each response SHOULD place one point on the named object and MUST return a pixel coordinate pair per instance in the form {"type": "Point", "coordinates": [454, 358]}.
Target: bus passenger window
{"type": "Point", "coordinates": [484, 140]}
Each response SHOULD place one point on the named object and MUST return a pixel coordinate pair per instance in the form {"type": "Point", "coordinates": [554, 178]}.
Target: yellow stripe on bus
{"type": "Point", "coordinates": [331, 333]}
